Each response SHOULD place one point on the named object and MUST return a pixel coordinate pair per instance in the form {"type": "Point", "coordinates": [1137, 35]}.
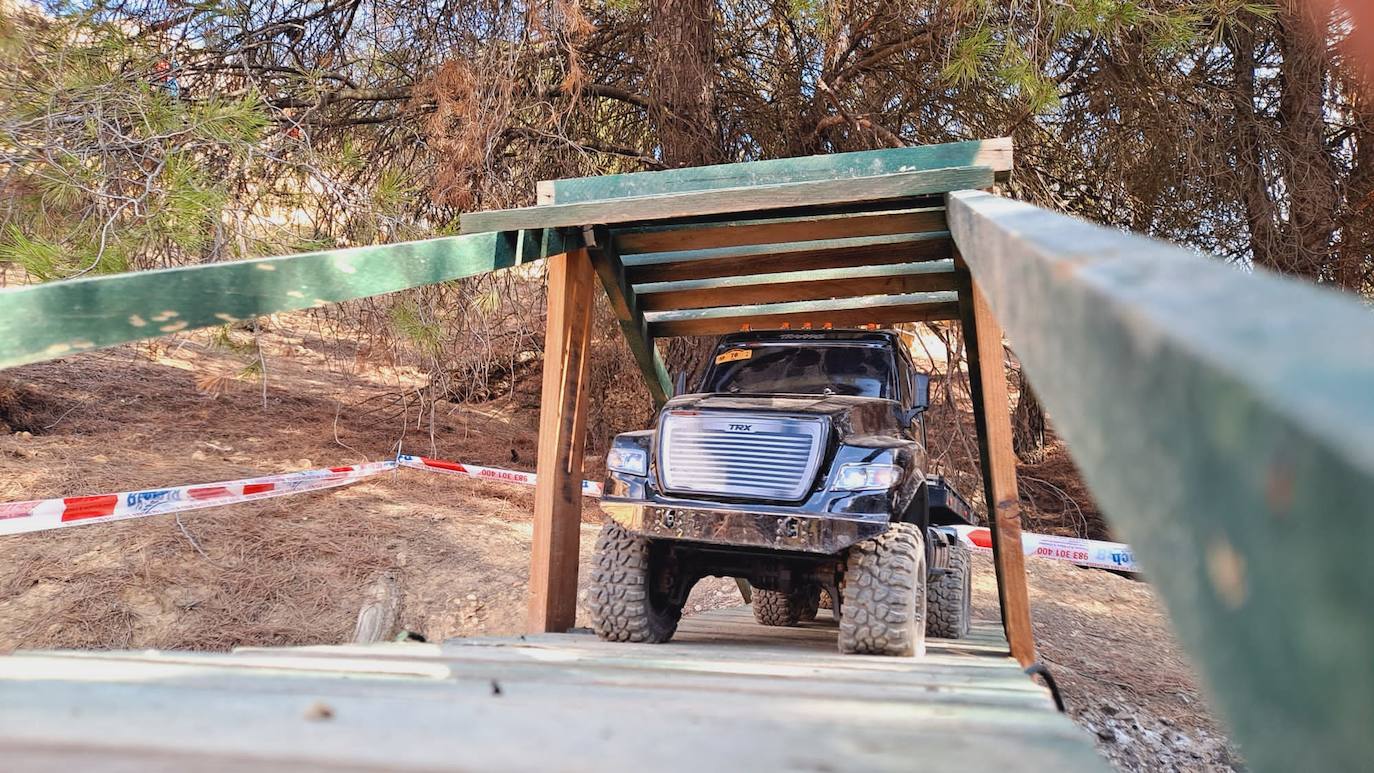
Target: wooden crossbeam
{"type": "Point", "coordinates": [798, 256]}
{"type": "Point", "coordinates": [56, 319]}
{"type": "Point", "coordinates": [845, 312]}
{"type": "Point", "coordinates": [757, 198]}
{"type": "Point", "coordinates": [1224, 422]}
{"type": "Point", "coordinates": [629, 312]}
{"type": "Point", "coordinates": [742, 233]}
{"type": "Point", "coordinates": [895, 279]}
{"type": "Point", "coordinates": [996, 154]}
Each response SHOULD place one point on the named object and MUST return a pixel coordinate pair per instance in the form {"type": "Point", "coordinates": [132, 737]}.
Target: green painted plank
{"type": "Point", "coordinates": [774, 230]}
{"type": "Point", "coordinates": [1224, 421]}
{"type": "Point", "coordinates": [51, 320]}
{"type": "Point", "coordinates": [625, 304]}
{"type": "Point", "coordinates": [936, 267]}
{"type": "Point", "coordinates": [889, 279]}
{"type": "Point", "coordinates": [754, 198]}
{"type": "Point", "coordinates": [537, 244]}
{"type": "Point", "coordinates": [799, 256]}
{"type": "Point", "coordinates": [843, 312]}
{"type": "Point", "coordinates": [994, 153]}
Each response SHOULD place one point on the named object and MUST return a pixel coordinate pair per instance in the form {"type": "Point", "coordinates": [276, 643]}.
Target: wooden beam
{"type": "Point", "coordinates": [846, 312]}
{"type": "Point", "coordinates": [56, 319]}
{"type": "Point", "coordinates": [757, 198]}
{"type": "Point", "coordinates": [895, 279]}
{"type": "Point", "coordinates": [800, 256]}
{"type": "Point", "coordinates": [741, 233]}
{"type": "Point", "coordinates": [1223, 420]}
{"type": "Point", "coordinates": [992, 416]}
{"type": "Point", "coordinates": [629, 312]}
{"type": "Point", "coordinates": [995, 154]}
{"type": "Point", "coordinates": [562, 440]}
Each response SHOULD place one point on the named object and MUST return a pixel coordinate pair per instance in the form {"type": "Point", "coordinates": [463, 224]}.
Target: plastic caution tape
{"type": "Point", "coordinates": [1098, 554]}
{"type": "Point", "coordinates": [589, 488]}
{"type": "Point", "coordinates": [43, 514]}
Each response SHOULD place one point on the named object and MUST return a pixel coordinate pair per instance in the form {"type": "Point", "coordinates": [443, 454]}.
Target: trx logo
{"type": "Point", "coordinates": [741, 427]}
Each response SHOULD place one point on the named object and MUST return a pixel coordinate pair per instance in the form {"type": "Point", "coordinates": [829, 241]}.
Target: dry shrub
{"type": "Point", "coordinates": [24, 409]}
{"type": "Point", "coordinates": [618, 400]}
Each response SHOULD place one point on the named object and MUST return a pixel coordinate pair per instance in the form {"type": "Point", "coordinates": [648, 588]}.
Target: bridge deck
{"type": "Point", "coordinates": [727, 694]}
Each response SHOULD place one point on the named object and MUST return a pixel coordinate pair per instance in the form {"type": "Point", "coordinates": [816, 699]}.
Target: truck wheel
{"type": "Point", "coordinates": [824, 601]}
{"type": "Point", "coordinates": [777, 608]}
{"type": "Point", "coordinates": [810, 603]}
{"type": "Point", "coordinates": [949, 598]}
{"type": "Point", "coordinates": [884, 595]}
{"type": "Point", "coordinates": [624, 605]}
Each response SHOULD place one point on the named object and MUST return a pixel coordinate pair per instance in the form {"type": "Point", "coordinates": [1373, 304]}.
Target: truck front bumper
{"type": "Point", "coordinates": [742, 528]}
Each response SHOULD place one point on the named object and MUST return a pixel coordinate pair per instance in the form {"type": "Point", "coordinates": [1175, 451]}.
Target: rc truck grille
{"type": "Point", "coordinates": [736, 455]}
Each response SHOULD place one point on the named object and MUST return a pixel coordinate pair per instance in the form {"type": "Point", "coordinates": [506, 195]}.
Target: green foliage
{"type": "Point", "coordinates": [36, 255]}
{"type": "Point", "coordinates": [409, 321]}
{"type": "Point", "coordinates": [971, 52]}
{"type": "Point", "coordinates": [110, 166]}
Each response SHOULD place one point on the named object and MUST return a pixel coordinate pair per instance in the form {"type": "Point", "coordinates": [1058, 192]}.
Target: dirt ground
{"type": "Point", "coordinates": [294, 570]}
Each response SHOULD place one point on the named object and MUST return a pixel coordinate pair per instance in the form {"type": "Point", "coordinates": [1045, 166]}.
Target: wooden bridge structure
{"type": "Point", "coordinates": [1223, 418]}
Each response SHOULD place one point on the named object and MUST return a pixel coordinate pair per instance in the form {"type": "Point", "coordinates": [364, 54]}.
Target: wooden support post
{"type": "Point", "coordinates": [992, 414]}
{"type": "Point", "coordinates": [562, 436]}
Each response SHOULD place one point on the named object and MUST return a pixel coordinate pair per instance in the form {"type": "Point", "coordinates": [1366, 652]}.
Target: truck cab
{"type": "Point", "coordinates": [797, 464]}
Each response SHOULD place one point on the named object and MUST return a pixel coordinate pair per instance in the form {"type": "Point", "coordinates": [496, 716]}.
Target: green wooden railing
{"type": "Point", "coordinates": [45, 321]}
{"type": "Point", "coordinates": [1224, 421]}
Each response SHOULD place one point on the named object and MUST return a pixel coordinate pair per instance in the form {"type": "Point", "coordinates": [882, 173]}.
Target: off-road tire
{"type": "Point", "coordinates": [824, 602]}
{"type": "Point", "coordinates": [949, 597]}
{"type": "Point", "coordinates": [883, 594]}
{"type": "Point", "coordinates": [619, 596]}
{"type": "Point", "coordinates": [810, 603]}
{"type": "Point", "coordinates": [776, 608]}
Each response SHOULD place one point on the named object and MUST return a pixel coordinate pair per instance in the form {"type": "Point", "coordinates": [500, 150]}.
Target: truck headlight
{"type": "Point", "coordinates": [859, 477]}
{"type": "Point", "coordinates": [634, 461]}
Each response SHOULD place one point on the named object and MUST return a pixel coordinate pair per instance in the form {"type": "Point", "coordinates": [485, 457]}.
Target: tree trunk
{"type": "Point", "coordinates": [1308, 167]}
{"type": "Point", "coordinates": [683, 69]}
{"type": "Point", "coordinates": [683, 74]}
{"type": "Point", "coordinates": [1027, 421]}
{"type": "Point", "coordinates": [1261, 212]}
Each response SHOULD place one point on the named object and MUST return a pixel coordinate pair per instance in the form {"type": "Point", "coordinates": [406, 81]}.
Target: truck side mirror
{"type": "Point", "coordinates": [680, 383]}
{"type": "Point", "coordinates": [920, 398]}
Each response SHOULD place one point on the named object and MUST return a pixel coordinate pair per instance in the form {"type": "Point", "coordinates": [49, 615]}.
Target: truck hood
{"type": "Point", "coordinates": [848, 415]}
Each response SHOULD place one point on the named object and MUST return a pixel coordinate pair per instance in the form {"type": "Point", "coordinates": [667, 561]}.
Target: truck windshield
{"type": "Point", "coordinates": [836, 370]}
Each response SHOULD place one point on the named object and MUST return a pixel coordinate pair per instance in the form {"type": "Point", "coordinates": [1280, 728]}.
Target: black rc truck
{"type": "Point", "coordinates": [799, 465]}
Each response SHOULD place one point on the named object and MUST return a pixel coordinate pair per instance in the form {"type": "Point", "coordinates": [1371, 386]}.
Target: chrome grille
{"type": "Point", "coordinates": [739, 455]}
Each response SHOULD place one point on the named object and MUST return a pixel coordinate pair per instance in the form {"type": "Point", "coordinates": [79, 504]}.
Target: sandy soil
{"type": "Point", "coordinates": [294, 570]}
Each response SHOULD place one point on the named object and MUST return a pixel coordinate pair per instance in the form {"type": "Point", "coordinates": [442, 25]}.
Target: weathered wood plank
{"type": "Point", "coordinates": [758, 198]}
{"type": "Point", "coordinates": [742, 233]}
{"type": "Point", "coordinates": [562, 441]}
{"type": "Point", "coordinates": [845, 312]}
{"type": "Point", "coordinates": [895, 279]}
{"type": "Point", "coordinates": [992, 416]}
{"type": "Point", "coordinates": [1224, 422]}
{"type": "Point", "coordinates": [797, 256]}
{"type": "Point", "coordinates": [381, 611]}
{"type": "Point", "coordinates": [995, 154]}
{"type": "Point", "coordinates": [629, 312]}
{"type": "Point", "coordinates": [728, 688]}
{"type": "Point", "coordinates": [60, 318]}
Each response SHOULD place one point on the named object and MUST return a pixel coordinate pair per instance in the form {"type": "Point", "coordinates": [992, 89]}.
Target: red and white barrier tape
{"type": "Point", "coordinates": [44, 514]}
{"type": "Point", "coordinates": [589, 488]}
{"type": "Point", "coordinates": [1097, 554]}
